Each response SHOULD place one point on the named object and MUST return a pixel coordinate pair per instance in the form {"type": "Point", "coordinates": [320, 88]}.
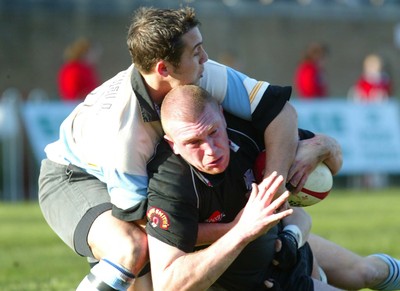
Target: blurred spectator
{"type": "Point", "coordinates": [310, 80]}
{"type": "Point", "coordinates": [374, 84]}
{"type": "Point", "coordinates": [77, 77]}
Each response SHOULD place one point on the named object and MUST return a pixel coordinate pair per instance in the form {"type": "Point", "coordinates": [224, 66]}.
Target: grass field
{"type": "Point", "coordinates": [33, 258]}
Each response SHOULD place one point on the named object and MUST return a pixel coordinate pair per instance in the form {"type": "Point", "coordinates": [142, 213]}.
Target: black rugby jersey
{"type": "Point", "coordinates": [180, 197]}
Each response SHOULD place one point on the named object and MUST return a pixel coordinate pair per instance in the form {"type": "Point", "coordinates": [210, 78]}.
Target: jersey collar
{"type": "Point", "coordinates": [147, 106]}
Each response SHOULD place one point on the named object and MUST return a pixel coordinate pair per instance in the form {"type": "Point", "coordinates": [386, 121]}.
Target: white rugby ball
{"type": "Point", "coordinates": [317, 187]}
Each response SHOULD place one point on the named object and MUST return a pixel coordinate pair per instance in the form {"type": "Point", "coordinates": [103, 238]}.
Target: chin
{"type": "Point", "coordinates": [219, 170]}
{"type": "Point", "coordinates": [213, 170]}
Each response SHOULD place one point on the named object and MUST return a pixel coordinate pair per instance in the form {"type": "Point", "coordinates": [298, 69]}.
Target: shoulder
{"type": "Point", "coordinates": [215, 79]}
{"type": "Point", "coordinates": [170, 173]}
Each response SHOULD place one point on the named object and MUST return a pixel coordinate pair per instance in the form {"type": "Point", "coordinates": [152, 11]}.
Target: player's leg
{"type": "Point", "coordinates": [73, 202]}
{"type": "Point", "coordinates": [322, 286]}
{"type": "Point", "coordinates": [142, 283]}
{"type": "Point", "coordinates": [122, 248]}
{"type": "Point", "coordinates": [348, 270]}
{"type": "Point", "coordinates": [342, 267]}
{"type": "Point", "coordinates": [302, 276]}
{"type": "Point", "coordinates": [392, 280]}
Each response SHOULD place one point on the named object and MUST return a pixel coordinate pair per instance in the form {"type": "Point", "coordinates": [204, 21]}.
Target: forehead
{"type": "Point", "coordinates": [192, 38]}
{"type": "Point", "coordinates": [189, 128]}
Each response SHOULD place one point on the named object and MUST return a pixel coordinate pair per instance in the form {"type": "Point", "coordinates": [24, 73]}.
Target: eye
{"type": "Point", "coordinates": [193, 143]}
{"type": "Point", "coordinates": [213, 132]}
{"type": "Point", "coordinates": [197, 51]}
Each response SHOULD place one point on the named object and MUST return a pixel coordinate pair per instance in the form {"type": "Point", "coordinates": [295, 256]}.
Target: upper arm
{"type": "Point", "coordinates": [281, 139]}
{"type": "Point", "coordinates": [237, 93]}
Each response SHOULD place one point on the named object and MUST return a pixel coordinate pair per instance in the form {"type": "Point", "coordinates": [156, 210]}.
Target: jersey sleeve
{"type": "Point", "coordinates": [172, 212]}
{"type": "Point", "coordinates": [270, 105]}
{"type": "Point", "coordinates": [242, 96]}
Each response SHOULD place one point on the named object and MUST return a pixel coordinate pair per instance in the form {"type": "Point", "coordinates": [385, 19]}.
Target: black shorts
{"type": "Point", "coordinates": [299, 277]}
{"type": "Point", "coordinates": [248, 271]}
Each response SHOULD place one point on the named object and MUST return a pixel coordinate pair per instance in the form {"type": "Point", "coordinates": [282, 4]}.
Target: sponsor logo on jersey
{"type": "Point", "coordinates": [216, 216]}
{"type": "Point", "coordinates": [158, 218]}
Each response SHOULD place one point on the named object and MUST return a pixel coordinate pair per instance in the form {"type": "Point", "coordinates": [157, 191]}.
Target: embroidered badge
{"type": "Point", "coordinates": [158, 218]}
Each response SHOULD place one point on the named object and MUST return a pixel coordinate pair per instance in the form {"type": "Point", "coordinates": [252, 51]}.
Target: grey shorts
{"type": "Point", "coordinates": [70, 200]}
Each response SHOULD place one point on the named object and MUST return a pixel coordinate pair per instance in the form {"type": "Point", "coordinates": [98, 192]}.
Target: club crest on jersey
{"type": "Point", "coordinates": [158, 218]}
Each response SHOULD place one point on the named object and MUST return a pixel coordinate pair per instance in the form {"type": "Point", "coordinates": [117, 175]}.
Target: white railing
{"type": "Point", "coordinates": [12, 146]}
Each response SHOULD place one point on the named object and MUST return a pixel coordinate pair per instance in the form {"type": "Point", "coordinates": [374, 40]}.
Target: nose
{"type": "Point", "coordinates": [209, 148]}
{"type": "Point", "coordinates": [204, 56]}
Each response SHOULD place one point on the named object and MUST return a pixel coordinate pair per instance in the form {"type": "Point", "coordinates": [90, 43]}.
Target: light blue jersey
{"type": "Point", "coordinates": [113, 133]}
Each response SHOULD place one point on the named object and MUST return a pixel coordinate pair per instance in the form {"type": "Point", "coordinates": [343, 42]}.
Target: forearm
{"type": "Point", "coordinates": [281, 140]}
{"type": "Point", "coordinates": [208, 233]}
{"type": "Point", "coordinates": [174, 269]}
{"type": "Point", "coordinates": [199, 270]}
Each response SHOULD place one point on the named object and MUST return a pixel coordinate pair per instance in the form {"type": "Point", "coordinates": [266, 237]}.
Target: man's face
{"type": "Point", "coordinates": [192, 60]}
{"type": "Point", "coordinates": [204, 143]}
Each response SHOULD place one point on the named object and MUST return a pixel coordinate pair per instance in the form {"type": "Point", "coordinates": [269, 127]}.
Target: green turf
{"type": "Point", "coordinates": [32, 257]}
{"type": "Point", "coordinates": [363, 221]}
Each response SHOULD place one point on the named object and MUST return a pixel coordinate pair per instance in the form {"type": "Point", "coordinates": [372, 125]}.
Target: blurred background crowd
{"type": "Point", "coordinates": [56, 51]}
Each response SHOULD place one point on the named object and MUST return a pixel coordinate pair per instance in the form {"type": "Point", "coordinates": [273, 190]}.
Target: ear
{"type": "Point", "coordinates": [162, 68]}
{"type": "Point", "coordinates": [171, 144]}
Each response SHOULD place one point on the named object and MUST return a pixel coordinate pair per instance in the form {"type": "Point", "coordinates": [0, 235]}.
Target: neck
{"type": "Point", "coordinates": [157, 89]}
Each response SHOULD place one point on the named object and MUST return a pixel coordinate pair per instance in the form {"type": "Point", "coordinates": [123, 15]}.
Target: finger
{"type": "Point", "coordinates": [278, 245]}
{"type": "Point", "coordinates": [292, 171]}
{"type": "Point", "coordinates": [268, 193]}
{"type": "Point", "coordinates": [267, 181]}
{"type": "Point", "coordinates": [281, 215]}
{"type": "Point", "coordinates": [296, 183]}
{"type": "Point", "coordinates": [301, 183]}
{"type": "Point", "coordinates": [268, 284]}
{"type": "Point", "coordinates": [279, 202]}
{"type": "Point", "coordinates": [294, 180]}
{"type": "Point", "coordinates": [254, 192]}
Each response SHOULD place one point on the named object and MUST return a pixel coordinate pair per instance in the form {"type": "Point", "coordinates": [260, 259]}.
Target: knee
{"type": "Point", "coordinates": [129, 249]}
{"type": "Point", "coordinates": [133, 248]}
{"type": "Point", "coordinates": [123, 242]}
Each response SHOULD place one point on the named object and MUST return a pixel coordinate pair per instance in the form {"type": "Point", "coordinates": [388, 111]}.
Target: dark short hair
{"type": "Point", "coordinates": [156, 34]}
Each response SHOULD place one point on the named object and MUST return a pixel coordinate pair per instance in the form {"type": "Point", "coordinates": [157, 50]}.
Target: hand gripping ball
{"type": "Point", "coordinates": [317, 187]}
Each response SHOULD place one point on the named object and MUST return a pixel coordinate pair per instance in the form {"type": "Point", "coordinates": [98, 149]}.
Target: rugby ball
{"type": "Point", "coordinates": [317, 187]}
